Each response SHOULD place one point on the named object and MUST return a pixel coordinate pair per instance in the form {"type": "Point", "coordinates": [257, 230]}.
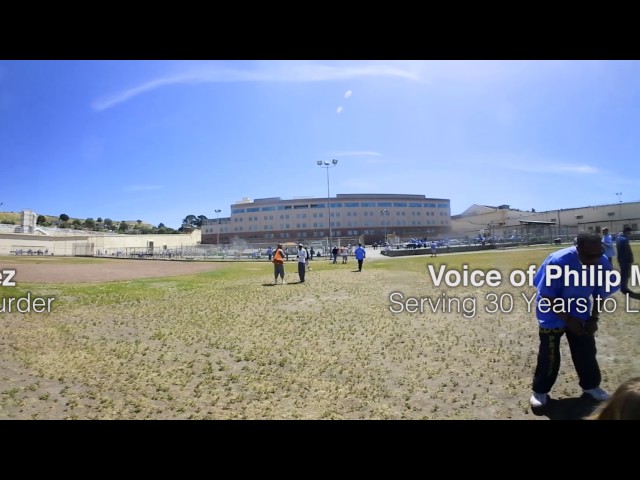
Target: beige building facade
{"type": "Point", "coordinates": [367, 216]}
{"type": "Point", "coordinates": [67, 243]}
{"type": "Point", "coordinates": [504, 221]}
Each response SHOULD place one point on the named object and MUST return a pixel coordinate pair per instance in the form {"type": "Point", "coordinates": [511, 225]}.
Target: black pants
{"type": "Point", "coordinates": [360, 265]}
{"type": "Point", "coordinates": [625, 271]}
{"type": "Point", "coordinates": [301, 269]}
{"type": "Point", "coordinates": [583, 354]}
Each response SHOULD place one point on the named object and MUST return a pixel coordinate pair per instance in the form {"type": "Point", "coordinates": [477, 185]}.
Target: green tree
{"type": "Point", "coordinates": [64, 217]}
{"type": "Point", "coordinates": [90, 222]}
{"type": "Point", "coordinates": [41, 220]}
{"type": "Point", "coordinates": [190, 220]}
{"type": "Point", "coordinates": [123, 227]}
{"type": "Point", "coordinates": [108, 222]}
{"type": "Point", "coordinates": [99, 220]}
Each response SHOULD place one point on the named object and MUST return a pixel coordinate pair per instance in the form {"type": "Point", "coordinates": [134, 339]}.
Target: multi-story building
{"type": "Point", "coordinates": [369, 216]}
{"type": "Point", "coordinates": [504, 221]}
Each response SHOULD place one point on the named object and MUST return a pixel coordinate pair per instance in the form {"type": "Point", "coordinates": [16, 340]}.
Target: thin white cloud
{"type": "Point", "coordinates": [559, 168]}
{"type": "Point", "coordinates": [141, 188]}
{"type": "Point", "coordinates": [313, 72]}
{"type": "Point", "coordinates": [357, 154]}
{"type": "Point", "coordinates": [529, 163]}
{"type": "Point", "coordinates": [103, 104]}
{"type": "Point", "coordinates": [348, 93]}
{"type": "Point", "coordinates": [339, 110]}
{"type": "Point", "coordinates": [274, 71]}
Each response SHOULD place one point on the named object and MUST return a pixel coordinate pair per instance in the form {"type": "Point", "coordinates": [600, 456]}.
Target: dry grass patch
{"type": "Point", "coordinates": [229, 345]}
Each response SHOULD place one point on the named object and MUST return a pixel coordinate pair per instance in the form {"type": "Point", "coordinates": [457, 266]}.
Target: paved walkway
{"type": "Point", "coordinates": [371, 254]}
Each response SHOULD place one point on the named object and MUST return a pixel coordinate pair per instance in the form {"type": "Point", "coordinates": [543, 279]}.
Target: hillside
{"type": "Point", "coordinates": [8, 217]}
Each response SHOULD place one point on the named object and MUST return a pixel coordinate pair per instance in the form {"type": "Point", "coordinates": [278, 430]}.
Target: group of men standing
{"type": "Point", "coordinates": [303, 258]}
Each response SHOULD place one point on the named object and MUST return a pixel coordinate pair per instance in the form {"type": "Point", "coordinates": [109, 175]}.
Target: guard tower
{"type": "Point", "coordinates": [28, 221]}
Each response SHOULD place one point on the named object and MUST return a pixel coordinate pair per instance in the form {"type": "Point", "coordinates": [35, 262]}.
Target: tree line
{"type": "Point", "coordinates": [107, 224]}
{"type": "Point", "coordinates": [193, 221]}
{"type": "Point", "coordinates": [100, 224]}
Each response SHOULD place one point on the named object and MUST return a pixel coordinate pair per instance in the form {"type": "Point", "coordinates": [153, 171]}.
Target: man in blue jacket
{"type": "Point", "coordinates": [567, 281]}
{"type": "Point", "coordinates": [360, 254]}
{"type": "Point", "coordinates": [625, 259]}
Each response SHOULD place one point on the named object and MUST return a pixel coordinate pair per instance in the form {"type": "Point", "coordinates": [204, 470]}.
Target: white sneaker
{"type": "Point", "coordinates": [283, 282]}
{"type": "Point", "coordinates": [538, 400]}
{"type": "Point", "coordinates": [597, 394]}
{"type": "Point", "coordinates": [275, 282]}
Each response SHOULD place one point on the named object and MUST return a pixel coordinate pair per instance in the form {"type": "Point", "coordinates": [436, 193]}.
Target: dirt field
{"type": "Point", "coordinates": [231, 345]}
{"type": "Point", "coordinates": [101, 270]}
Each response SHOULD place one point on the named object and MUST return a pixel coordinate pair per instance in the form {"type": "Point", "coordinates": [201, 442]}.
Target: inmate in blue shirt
{"type": "Point", "coordinates": [576, 295]}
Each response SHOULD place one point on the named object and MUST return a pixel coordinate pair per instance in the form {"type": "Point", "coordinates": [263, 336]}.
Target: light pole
{"type": "Point", "coordinates": [619, 195]}
{"type": "Point", "coordinates": [384, 213]}
{"type": "Point", "coordinates": [327, 165]}
{"type": "Point", "coordinates": [218, 220]}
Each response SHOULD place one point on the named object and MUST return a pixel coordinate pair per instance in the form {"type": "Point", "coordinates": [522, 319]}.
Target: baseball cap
{"type": "Point", "coordinates": [300, 245]}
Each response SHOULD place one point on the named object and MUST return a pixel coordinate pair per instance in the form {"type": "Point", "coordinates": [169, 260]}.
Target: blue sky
{"type": "Point", "coordinates": [159, 140]}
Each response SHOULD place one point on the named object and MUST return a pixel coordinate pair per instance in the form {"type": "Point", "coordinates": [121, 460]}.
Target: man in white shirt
{"type": "Point", "coordinates": [302, 262]}
{"type": "Point", "coordinates": [607, 243]}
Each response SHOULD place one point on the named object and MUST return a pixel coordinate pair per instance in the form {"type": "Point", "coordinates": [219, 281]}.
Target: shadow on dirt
{"type": "Point", "coordinates": [567, 408]}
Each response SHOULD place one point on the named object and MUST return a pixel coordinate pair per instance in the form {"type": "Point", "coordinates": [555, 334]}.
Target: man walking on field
{"type": "Point", "coordinates": [360, 254]}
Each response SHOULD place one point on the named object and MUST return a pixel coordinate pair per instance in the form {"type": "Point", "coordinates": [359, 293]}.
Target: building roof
{"type": "Point", "coordinates": [535, 222]}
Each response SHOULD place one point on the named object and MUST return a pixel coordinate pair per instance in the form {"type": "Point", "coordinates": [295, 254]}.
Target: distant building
{"type": "Point", "coordinates": [352, 215]}
{"type": "Point", "coordinates": [505, 221]}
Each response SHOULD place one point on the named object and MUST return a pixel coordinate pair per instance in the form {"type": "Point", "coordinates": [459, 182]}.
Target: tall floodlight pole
{"type": "Point", "coordinates": [327, 165]}
{"type": "Point", "coordinates": [619, 195]}
{"type": "Point", "coordinates": [218, 220]}
{"type": "Point", "coordinates": [384, 213]}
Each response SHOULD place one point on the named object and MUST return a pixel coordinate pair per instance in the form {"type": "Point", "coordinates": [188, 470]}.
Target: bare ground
{"type": "Point", "coordinates": [101, 270]}
{"type": "Point", "coordinates": [329, 349]}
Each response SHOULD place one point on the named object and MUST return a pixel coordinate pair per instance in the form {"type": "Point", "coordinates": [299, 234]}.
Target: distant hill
{"type": "Point", "coordinates": [8, 217]}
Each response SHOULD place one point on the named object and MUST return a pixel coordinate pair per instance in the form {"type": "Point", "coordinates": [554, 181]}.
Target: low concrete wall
{"type": "Point", "coordinates": [68, 245]}
{"type": "Point", "coordinates": [403, 252]}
